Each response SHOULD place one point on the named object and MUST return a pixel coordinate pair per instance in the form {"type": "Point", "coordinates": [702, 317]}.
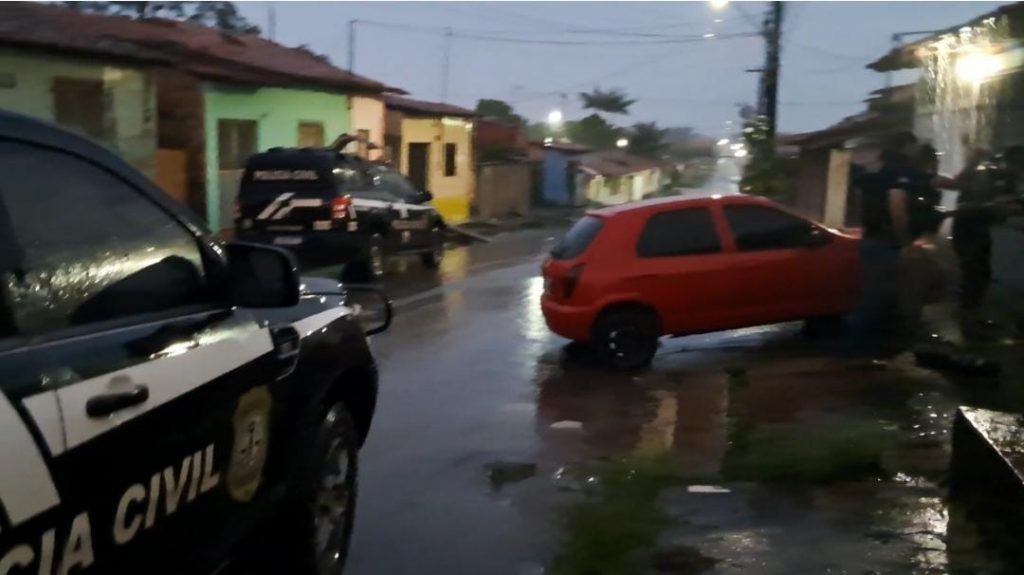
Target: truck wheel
{"type": "Point", "coordinates": [432, 259]}
{"type": "Point", "coordinates": [626, 338]}
{"type": "Point", "coordinates": [318, 526]}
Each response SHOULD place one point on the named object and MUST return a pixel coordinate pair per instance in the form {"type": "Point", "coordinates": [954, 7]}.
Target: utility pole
{"type": "Point", "coordinates": [446, 64]}
{"type": "Point", "coordinates": [769, 97]}
{"type": "Point", "coordinates": [352, 45]}
{"type": "Point", "coordinates": [272, 23]}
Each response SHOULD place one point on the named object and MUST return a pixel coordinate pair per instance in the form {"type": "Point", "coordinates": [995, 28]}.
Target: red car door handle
{"type": "Point", "coordinates": [108, 403]}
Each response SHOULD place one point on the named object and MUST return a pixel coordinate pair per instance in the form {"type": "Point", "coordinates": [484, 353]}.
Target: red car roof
{"type": "Point", "coordinates": [690, 200]}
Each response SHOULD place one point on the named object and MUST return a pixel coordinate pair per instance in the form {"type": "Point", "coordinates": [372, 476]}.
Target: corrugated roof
{"type": "Point", "coordinates": [424, 108]}
{"type": "Point", "coordinates": [189, 47]}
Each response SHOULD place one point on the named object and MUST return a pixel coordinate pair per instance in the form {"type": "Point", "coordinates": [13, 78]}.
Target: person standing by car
{"type": "Point", "coordinates": [886, 221]}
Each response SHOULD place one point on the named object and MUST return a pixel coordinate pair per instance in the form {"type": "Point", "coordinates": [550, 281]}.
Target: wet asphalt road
{"type": "Point", "coordinates": [775, 446]}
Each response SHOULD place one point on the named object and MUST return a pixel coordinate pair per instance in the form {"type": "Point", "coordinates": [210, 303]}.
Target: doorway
{"type": "Point", "coordinates": [419, 159]}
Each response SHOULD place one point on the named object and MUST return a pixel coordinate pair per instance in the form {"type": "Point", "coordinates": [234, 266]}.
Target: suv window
{"type": "Point", "coordinates": [761, 228]}
{"type": "Point", "coordinates": [678, 233]}
{"type": "Point", "coordinates": [396, 184]}
{"type": "Point", "coordinates": [578, 238]}
{"type": "Point", "coordinates": [82, 246]}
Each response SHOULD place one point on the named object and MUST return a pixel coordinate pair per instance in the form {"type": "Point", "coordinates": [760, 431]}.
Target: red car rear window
{"type": "Point", "coordinates": [578, 238]}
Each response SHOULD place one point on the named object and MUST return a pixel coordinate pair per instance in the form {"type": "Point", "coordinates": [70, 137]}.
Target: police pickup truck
{"type": "Point", "coordinates": [165, 400]}
{"type": "Point", "coordinates": [320, 202]}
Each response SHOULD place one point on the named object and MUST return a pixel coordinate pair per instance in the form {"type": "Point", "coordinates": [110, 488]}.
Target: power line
{"type": "Point", "coordinates": [491, 37]}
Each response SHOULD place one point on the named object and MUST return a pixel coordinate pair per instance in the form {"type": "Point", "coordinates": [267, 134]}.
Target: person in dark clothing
{"type": "Point", "coordinates": [972, 236]}
{"type": "Point", "coordinates": [886, 231]}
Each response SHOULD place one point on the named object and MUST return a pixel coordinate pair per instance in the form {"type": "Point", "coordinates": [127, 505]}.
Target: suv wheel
{"type": "Point", "coordinates": [318, 526]}
{"type": "Point", "coordinates": [626, 338]}
{"type": "Point", "coordinates": [432, 259]}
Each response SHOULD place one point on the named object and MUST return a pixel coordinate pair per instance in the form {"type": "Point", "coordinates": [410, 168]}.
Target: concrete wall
{"type": "Point", "coordinates": [452, 194]}
{"type": "Point", "coordinates": [502, 190]}
{"type": "Point", "coordinates": [278, 112]}
{"type": "Point", "coordinates": [367, 113]}
{"type": "Point", "coordinates": [129, 98]}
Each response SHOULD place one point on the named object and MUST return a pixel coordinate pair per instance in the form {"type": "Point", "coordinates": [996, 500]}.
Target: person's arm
{"type": "Point", "coordinates": [945, 182]}
{"type": "Point", "coordinates": [899, 216]}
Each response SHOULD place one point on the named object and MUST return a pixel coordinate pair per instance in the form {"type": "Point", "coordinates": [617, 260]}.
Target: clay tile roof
{"type": "Point", "coordinates": [189, 47]}
{"type": "Point", "coordinates": [906, 56]}
{"type": "Point", "coordinates": [615, 163]}
{"type": "Point", "coordinates": [424, 108]}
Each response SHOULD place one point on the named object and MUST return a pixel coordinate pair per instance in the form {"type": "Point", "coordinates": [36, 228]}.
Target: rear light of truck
{"type": "Point", "coordinates": [340, 208]}
{"type": "Point", "coordinates": [572, 279]}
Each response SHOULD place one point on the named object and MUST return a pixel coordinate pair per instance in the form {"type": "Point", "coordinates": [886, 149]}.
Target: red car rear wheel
{"type": "Point", "coordinates": [627, 337]}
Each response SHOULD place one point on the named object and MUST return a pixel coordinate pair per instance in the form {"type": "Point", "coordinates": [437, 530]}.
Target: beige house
{"type": "Point", "coordinates": [366, 116]}
{"type": "Point", "coordinates": [432, 144]}
{"type": "Point", "coordinates": [616, 177]}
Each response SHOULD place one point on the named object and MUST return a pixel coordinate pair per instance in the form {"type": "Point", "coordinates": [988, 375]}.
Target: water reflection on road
{"type": "Point", "coordinates": [758, 447]}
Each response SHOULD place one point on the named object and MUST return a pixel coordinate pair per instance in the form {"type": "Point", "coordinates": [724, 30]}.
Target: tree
{"type": "Point", "coordinates": [223, 16]}
{"type": "Point", "coordinates": [594, 132]}
{"type": "Point", "coordinates": [220, 15]}
{"type": "Point", "coordinates": [611, 101]}
{"type": "Point", "coordinates": [647, 140]}
{"type": "Point", "coordinates": [501, 110]}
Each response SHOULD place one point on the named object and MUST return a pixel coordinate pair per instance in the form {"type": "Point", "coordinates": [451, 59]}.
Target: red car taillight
{"type": "Point", "coordinates": [340, 208]}
{"type": "Point", "coordinates": [572, 279]}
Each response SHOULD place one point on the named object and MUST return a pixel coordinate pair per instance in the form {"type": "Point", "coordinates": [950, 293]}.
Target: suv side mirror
{"type": "Point", "coordinates": [261, 276]}
{"type": "Point", "coordinates": [373, 308]}
{"type": "Point", "coordinates": [425, 196]}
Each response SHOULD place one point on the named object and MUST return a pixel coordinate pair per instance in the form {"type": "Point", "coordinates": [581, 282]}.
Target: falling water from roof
{"type": "Point", "coordinates": [961, 115]}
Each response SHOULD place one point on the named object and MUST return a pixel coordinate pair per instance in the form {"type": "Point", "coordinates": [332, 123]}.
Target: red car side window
{"type": "Point", "coordinates": [690, 231]}
{"type": "Point", "coordinates": [761, 228]}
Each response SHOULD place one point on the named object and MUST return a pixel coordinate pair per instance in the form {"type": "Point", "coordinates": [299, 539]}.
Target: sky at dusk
{"type": "Point", "coordinates": [652, 50]}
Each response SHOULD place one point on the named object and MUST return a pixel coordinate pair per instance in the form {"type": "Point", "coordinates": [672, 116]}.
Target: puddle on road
{"type": "Point", "coordinates": [815, 454]}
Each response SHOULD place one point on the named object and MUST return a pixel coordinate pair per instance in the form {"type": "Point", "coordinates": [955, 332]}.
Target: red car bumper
{"type": "Point", "coordinates": [571, 322]}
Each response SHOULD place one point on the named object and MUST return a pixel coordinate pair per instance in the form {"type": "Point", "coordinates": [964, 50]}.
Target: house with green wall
{"type": "Point", "coordinates": [192, 103]}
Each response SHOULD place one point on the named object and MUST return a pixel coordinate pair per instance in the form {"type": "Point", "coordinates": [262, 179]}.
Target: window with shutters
{"type": "Point", "coordinates": [236, 141]}
{"type": "Point", "coordinates": [78, 105]}
{"type": "Point", "coordinates": [311, 134]}
{"type": "Point", "coordinates": [450, 152]}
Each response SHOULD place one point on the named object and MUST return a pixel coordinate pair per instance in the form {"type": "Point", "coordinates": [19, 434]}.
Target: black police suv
{"type": "Point", "coordinates": [167, 400]}
{"type": "Point", "coordinates": [324, 203]}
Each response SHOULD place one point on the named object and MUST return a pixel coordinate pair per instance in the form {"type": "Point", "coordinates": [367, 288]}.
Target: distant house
{"type": "Point", "coordinates": [558, 171]}
{"type": "Point", "coordinates": [432, 144]}
{"type": "Point", "coordinates": [219, 97]}
{"type": "Point", "coordinates": [615, 177]}
{"type": "Point", "coordinates": [102, 89]}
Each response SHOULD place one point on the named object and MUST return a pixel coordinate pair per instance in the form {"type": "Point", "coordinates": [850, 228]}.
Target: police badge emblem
{"type": "Point", "coordinates": [249, 450]}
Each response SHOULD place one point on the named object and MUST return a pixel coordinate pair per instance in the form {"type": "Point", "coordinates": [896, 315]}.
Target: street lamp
{"type": "Point", "coordinates": [718, 4]}
{"type": "Point", "coordinates": [622, 142]}
{"type": "Point", "coordinates": [555, 118]}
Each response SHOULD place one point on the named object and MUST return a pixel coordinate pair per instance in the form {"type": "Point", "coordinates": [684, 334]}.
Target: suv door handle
{"type": "Point", "coordinates": [108, 403]}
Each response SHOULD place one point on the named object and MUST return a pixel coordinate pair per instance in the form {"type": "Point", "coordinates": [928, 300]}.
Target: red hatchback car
{"type": "Point", "coordinates": [625, 275]}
